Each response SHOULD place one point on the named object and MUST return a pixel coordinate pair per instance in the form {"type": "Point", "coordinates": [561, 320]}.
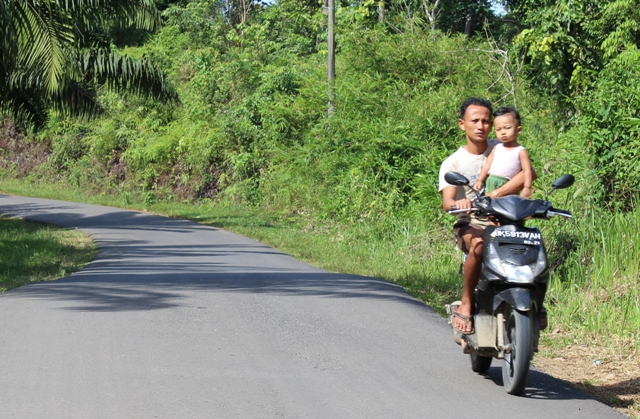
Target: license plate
{"type": "Point", "coordinates": [530, 237]}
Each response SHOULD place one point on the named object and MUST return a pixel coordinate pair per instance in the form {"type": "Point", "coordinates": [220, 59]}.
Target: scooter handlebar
{"type": "Point", "coordinates": [455, 210]}
{"type": "Point", "coordinates": [562, 213]}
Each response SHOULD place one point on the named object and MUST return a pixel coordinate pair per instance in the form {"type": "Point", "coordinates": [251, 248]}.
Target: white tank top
{"type": "Point", "coordinates": [506, 163]}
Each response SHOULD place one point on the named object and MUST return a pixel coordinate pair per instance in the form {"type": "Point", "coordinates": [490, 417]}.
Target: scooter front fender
{"type": "Point", "coordinates": [518, 298]}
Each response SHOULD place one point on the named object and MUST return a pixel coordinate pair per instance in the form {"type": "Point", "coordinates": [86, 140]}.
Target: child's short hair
{"type": "Point", "coordinates": [507, 109]}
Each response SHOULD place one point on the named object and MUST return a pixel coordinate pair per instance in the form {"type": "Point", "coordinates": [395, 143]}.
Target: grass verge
{"type": "Point", "coordinates": [33, 252]}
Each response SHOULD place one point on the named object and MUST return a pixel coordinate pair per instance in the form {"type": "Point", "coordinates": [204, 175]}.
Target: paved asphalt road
{"type": "Point", "coordinates": [178, 320]}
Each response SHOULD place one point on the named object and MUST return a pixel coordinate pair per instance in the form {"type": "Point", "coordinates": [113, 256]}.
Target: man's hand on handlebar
{"type": "Point", "coordinates": [450, 202]}
{"type": "Point", "coordinates": [462, 204]}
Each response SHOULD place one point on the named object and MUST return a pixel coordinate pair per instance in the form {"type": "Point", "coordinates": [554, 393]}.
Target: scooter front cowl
{"type": "Point", "coordinates": [518, 298]}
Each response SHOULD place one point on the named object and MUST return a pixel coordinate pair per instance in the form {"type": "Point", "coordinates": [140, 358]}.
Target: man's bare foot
{"type": "Point", "coordinates": [463, 320]}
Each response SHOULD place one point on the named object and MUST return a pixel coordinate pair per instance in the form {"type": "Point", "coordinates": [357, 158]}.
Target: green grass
{"type": "Point", "coordinates": [34, 252]}
{"type": "Point", "coordinates": [598, 294]}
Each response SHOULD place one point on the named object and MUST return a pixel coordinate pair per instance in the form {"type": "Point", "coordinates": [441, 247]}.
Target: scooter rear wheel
{"type": "Point", "coordinates": [479, 363]}
{"type": "Point", "coordinates": [517, 333]}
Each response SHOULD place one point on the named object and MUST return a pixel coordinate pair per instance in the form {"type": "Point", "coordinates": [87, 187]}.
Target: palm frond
{"type": "Point", "coordinates": [26, 107]}
{"type": "Point", "coordinates": [45, 33]}
{"type": "Point", "coordinates": [77, 99]}
{"type": "Point", "coordinates": [141, 14]}
{"type": "Point", "coordinates": [119, 72]}
{"type": "Point", "coordinates": [58, 52]}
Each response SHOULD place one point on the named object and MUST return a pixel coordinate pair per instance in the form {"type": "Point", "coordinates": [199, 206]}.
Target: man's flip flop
{"type": "Point", "coordinates": [467, 322]}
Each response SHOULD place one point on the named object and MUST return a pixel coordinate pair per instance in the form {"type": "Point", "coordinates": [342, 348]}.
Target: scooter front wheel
{"type": "Point", "coordinates": [517, 333]}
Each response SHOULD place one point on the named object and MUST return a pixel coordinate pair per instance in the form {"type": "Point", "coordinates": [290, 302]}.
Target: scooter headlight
{"type": "Point", "coordinates": [520, 274]}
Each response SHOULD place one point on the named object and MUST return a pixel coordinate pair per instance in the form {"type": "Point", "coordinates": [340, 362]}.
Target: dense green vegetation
{"type": "Point", "coordinates": [251, 130]}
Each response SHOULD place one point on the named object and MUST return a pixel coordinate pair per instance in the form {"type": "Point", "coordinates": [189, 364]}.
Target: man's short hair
{"type": "Point", "coordinates": [506, 110]}
{"type": "Point", "coordinates": [476, 101]}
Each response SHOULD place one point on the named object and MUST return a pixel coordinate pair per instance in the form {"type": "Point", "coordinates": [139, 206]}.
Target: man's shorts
{"type": "Point", "coordinates": [460, 229]}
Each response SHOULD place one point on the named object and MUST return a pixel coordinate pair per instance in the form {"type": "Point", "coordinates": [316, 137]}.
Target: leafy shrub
{"type": "Point", "coordinates": [396, 102]}
{"type": "Point", "coordinates": [607, 132]}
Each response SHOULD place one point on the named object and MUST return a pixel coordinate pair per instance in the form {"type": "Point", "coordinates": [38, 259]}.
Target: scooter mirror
{"type": "Point", "coordinates": [563, 181]}
{"type": "Point", "coordinates": [455, 178]}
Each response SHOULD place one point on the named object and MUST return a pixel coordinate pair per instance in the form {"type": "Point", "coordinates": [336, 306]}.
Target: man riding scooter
{"type": "Point", "coordinates": [476, 122]}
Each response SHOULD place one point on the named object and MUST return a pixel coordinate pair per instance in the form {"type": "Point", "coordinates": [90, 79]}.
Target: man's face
{"type": "Point", "coordinates": [476, 123]}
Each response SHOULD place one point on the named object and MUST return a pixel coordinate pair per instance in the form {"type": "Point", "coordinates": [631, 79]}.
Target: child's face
{"type": "Point", "coordinates": [506, 127]}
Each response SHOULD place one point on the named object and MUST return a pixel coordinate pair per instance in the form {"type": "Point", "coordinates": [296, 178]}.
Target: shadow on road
{"type": "Point", "coordinates": [539, 386]}
{"type": "Point", "coordinates": [122, 291]}
{"type": "Point", "coordinates": [106, 217]}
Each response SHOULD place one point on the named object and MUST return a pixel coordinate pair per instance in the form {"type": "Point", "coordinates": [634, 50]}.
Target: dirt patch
{"type": "Point", "coordinates": [18, 156]}
{"type": "Point", "coordinates": [610, 378]}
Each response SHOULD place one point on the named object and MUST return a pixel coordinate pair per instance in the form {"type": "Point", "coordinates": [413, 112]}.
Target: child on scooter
{"type": "Point", "coordinates": [508, 158]}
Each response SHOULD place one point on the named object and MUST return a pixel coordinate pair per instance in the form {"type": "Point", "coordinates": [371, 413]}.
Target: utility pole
{"type": "Point", "coordinates": [331, 64]}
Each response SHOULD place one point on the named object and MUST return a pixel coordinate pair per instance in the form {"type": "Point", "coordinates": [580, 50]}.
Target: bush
{"type": "Point", "coordinates": [607, 132]}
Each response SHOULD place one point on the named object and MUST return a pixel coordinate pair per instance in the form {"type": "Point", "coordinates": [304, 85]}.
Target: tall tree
{"type": "Point", "coordinates": [431, 10]}
{"type": "Point", "coordinates": [449, 16]}
{"type": "Point", "coordinates": [55, 54]}
{"type": "Point", "coordinates": [238, 11]}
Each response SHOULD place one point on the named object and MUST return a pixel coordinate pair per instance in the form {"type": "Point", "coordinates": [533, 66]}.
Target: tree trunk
{"type": "Point", "coordinates": [431, 15]}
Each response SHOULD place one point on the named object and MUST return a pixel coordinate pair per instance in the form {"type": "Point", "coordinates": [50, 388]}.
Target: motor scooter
{"type": "Point", "coordinates": [508, 300]}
